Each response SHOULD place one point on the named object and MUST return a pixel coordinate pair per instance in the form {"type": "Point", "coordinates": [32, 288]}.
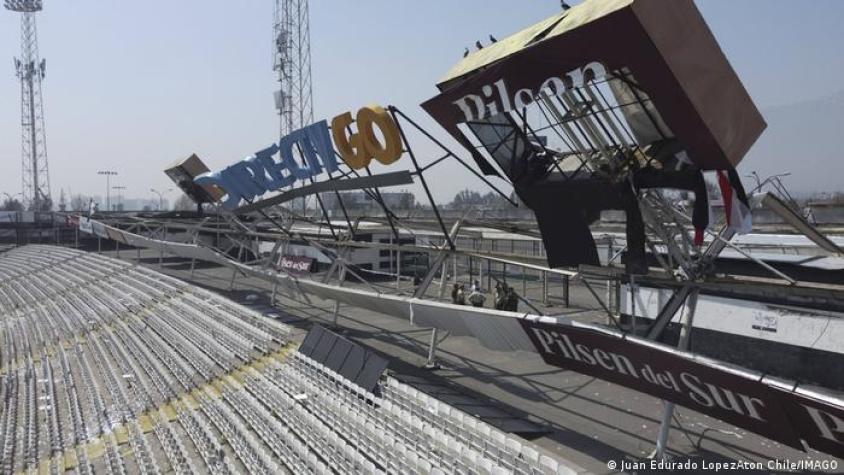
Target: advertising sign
{"type": "Point", "coordinates": [261, 173]}
{"type": "Point", "coordinates": [648, 42]}
{"type": "Point", "coordinates": [307, 153]}
{"type": "Point", "coordinates": [731, 396]}
{"type": "Point", "coordinates": [296, 265]}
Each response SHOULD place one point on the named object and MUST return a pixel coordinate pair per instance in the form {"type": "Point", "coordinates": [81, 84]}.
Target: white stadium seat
{"type": "Point", "coordinates": [129, 342]}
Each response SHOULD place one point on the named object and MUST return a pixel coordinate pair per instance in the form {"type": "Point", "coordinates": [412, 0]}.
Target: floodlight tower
{"type": "Point", "coordinates": [293, 63]}
{"type": "Point", "coordinates": [30, 69]}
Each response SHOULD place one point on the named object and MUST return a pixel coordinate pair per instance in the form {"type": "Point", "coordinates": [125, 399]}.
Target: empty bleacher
{"type": "Point", "coordinates": [109, 367]}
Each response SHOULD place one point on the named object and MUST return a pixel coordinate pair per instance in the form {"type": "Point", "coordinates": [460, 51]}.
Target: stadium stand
{"type": "Point", "coordinates": [109, 367]}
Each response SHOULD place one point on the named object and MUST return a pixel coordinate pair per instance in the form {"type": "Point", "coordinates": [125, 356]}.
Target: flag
{"type": "Point", "coordinates": [736, 206]}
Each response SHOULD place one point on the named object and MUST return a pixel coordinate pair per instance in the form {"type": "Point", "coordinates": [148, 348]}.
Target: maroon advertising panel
{"type": "Point", "coordinates": [295, 265]}
{"type": "Point", "coordinates": [725, 396]}
{"type": "Point", "coordinates": [737, 399]}
{"type": "Point", "coordinates": [664, 50]}
{"type": "Point", "coordinates": [817, 422]}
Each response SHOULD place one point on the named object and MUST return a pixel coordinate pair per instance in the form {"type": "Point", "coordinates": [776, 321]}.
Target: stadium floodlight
{"type": "Point", "coordinates": [108, 174]}
{"type": "Point", "coordinates": [23, 6]}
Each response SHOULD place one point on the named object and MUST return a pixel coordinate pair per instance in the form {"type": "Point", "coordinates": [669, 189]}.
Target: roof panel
{"type": "Point", "coordinates": [560, 23]}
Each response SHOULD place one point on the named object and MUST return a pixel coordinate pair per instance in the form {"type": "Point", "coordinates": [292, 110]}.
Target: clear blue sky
{"type": "Point", "coordinates": [132, 86]}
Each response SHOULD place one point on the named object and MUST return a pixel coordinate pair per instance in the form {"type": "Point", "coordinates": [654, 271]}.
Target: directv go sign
{"type": "Point", "coordinates": [261, 173]}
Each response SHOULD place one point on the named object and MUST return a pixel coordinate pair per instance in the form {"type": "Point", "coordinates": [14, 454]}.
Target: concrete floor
{"type": "Point", "coordinates": [590, 422]}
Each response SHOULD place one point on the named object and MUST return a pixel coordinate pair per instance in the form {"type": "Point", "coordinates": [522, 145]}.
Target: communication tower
{"type": "Point", "coordinates": [30, 70]}
{"type": "Point", "coordinates": [293, 63]}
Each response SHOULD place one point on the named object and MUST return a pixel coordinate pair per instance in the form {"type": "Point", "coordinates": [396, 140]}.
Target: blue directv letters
{"type": "Point", "coordinates": [260, 173]}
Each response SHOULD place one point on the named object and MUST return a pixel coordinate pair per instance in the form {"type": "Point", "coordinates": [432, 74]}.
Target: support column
{"type": "Point", "coordinates": [545, 288]}
{"type": "Point", "coordinates": [566, 281]}
{"type": "Point", "coordinates": [439, 262]}
{"type": "Point", "coordinates": [524, 282]}
{"type": "Point", "coordinates": [668, 407]}
{"type": "Point", "coordinates": [471, 270]}
{"type": "Point", "coordinates": [336, 312]}
{"type": "Point", "coordinates": [488, 275]}
{"type": "Point", "coordinates": [443, 278]}
{"type": "Point", "coordinates": [633, 295]}
{"type": "Point", "coordinates": [234, 274]}
{"type": "Point", "coordinates": [432, 352]}
{"type": "Point", "coordinates": [398, 270]}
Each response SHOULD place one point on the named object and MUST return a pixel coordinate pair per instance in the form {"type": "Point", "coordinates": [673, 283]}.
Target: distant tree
{"type": "Point", "coordinates": [836, 198]}
{"type": "Point", "coordinates": [46, 204]}
{"type": "Point", "coordinates": [494, 200]}
{"type": "Point", "coordinates": [11, 204]}
{"type": "Point", "coordinates": [466, 198]}
{"type": "Point", "coordinates": [184, 203]}
{"type": "Point", "coordinates": [406, 201]}
{"type": "Point", "coordinates": [491, 199]}
{"type": "Point", "coordinates": [79, 202]}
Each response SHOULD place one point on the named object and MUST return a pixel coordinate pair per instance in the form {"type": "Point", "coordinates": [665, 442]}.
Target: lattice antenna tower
{"type": "Point", "coordinates": [293, 63]}
{"type": "Point", "coordinates": [30, 70]}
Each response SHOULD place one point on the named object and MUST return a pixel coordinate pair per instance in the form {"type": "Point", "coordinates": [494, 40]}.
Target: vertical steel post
{"type": "Point", "coordinates": [443, 278]}
{"type": "Point", "coordinates": [545, 287]}
{"type": "Point", "coordinates": [432, 351]}
{"type": "Point", "coordinates": [686, 324]}
{"type": "Point", "coordinates": [336, 313]}
{"type": "Point", "coordinates": [566, 282]}
{"type": "Point", "coordinates": [398, 270]}
{"type": "Point", "coordinates": [488, 274]}
{"type": "Point", "coordinates": [524, 282]}
{"type": "Point", "coordinates": [609, 281]}
{"type": "Point", "coordinates": [633, 303]}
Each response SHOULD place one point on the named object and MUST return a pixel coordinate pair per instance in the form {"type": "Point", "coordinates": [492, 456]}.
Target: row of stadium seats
{"type": "Point", "coordinates": [124, 370]}
{"type": "Point", "coordinates": [120, 339]}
